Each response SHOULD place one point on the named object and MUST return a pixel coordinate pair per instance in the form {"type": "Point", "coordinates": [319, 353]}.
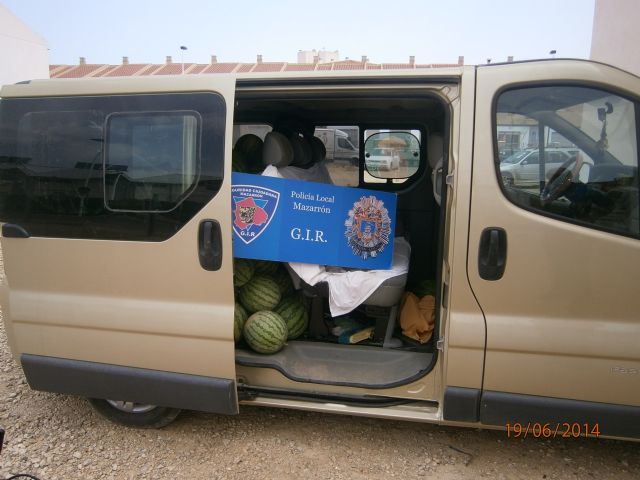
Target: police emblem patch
{"type": "Point", "coordinates": [368, 227]}
{"type": "Point", "coordinates": [253, 209]}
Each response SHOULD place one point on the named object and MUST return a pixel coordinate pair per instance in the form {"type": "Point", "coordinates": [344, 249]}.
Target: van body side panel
{"type": "Point", "coordinates": [140, 304]}
{"type": "Point", "coordinates": [464, 327]}
{"type": "Point", "coordinates": [563, 320]}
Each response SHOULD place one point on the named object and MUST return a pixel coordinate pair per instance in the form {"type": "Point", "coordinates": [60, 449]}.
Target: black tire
{"type": "Point", "coordinates": [155, 417]}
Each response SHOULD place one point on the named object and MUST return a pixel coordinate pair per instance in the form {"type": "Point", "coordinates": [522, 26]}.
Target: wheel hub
{"type": "Point", "coordinates": [130, 407]}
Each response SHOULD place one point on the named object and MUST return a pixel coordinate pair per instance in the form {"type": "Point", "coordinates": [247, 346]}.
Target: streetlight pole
{"type": "Point", "coordinates": [183, 48]}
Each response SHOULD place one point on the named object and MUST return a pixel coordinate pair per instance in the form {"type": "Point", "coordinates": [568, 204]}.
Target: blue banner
{"type": "Point", "coordinates": [296, 221]}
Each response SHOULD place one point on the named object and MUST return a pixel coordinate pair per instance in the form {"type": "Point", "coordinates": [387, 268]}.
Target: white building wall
{"type": "Point", "coordinates": [616, 34]}
{"type": "Point", "coordinates": [24, 54]}
{"type": "Point", "coordinates": [324, 56]}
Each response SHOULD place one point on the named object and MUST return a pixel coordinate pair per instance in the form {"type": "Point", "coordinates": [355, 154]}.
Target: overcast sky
{"type": "Point", "coordinates": [385, 31]}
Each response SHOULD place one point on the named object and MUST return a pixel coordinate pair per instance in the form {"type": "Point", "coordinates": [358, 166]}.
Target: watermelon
{"type": "Point", "coordinates": [295, 314]}
{"type": "Point", "coordinates": [239, 319]}
{"type": "Point", "coordinates": [283, 279]}
{"type": "Point", "coordinates": [260, 293]}
{"type": "Point", "coordinates": [266, 267]}
{"type": "Point", "coordinates": [265, 332]}
{"type": "Point", "coordinates": [243, 270]}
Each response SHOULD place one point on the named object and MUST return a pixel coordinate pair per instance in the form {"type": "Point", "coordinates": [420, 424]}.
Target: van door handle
{"type": "Point", "coordinates": [492, 254]}
{"type": "Point", "coordinates": [210, 245]}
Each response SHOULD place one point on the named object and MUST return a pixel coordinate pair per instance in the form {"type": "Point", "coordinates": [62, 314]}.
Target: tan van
{"type": "Point", "coordinates": [115, 198]}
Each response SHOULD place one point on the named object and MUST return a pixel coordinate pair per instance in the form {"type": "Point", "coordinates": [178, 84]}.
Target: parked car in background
{"type": "Point", "coordinates": [523, 167]}
{"type": "Point", "coordinates": [382, 159]}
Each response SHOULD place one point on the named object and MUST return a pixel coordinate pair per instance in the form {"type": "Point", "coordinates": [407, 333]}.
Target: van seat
{"type": "Point", "coordinates": [293, 158]}
{"type": "Point", "coordinates": [620, 185]}
{"type": "Point", "coordinates": [345, 289]}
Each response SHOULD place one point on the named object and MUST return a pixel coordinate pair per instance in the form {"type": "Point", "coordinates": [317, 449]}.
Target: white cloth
{"type": "Point", "coordinates": [316, 173]}
{"type": "Point", "coordinates": [350, 288]}
{"type": "Point", "coordinates": [347, 288]}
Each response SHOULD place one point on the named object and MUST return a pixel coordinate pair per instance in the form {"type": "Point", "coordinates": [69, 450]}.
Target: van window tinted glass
{"type": "Point", "coordinates": [150, 161]}
{"type": "Point", "coordinates": [585, 144]}
{"type": "Point", "coordinates": [343, 155]}
{"type": "Point", "coordinates": [56, 181]}
{"type": "Point", "coordinates": [392, 155]}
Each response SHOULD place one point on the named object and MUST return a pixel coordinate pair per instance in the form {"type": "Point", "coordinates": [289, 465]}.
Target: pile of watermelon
{"type": "Point", "coordinates": [268, 310]}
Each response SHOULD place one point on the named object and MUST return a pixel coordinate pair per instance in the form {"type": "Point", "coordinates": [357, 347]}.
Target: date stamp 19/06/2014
{"type": "Point", "coordinates": [552, 430]}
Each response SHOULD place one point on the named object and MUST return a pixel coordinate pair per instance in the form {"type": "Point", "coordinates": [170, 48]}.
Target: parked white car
{"type": "Point", "coordinates": [523, 168]}
{"type": "Point", "coordinates": [382, 159]}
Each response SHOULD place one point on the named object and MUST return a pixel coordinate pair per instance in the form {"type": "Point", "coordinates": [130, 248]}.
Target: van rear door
{"type": "Point", "coordinates": [115, 201]}
{"type": "Point", "coordinates": [553, 263]}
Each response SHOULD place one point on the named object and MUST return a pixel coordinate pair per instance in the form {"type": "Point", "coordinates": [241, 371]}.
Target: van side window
{"type": "Point", "coordinates": [343, 154]}
{"type": "Point", "coordinates": [117, 167]}
{"type": "Point", "coordinates": [150, 160]}
{"type": "Point", "coordinates": [570, 152]}
{"type": "Point", "coordinates": [344, 143]}
{"type": "Point", "coordinates": [391, 155]}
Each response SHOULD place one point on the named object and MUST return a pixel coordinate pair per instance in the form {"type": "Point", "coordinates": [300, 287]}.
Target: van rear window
{"type": "Point", "coordinates": [132, 167]}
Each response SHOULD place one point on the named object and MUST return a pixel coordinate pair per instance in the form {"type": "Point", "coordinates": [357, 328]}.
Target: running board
{"type": "Point", "coordinates": [414, 411]}
{"type": "Point", "coordinates": [347, 365]}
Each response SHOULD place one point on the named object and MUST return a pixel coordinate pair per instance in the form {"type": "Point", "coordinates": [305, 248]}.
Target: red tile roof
{"type": "Point", "coordinates": [437, 65]}
{"type": "Point", "coordinates": [299, 67]}
{"type": "Point", "coordinates": [55, 70]}
{"type": "Point", "coordinates": [126, 70]}
{"type": "Point", "coordinates": [150, 69]}
{"type": "Point", "coordinates": [197, 68]}
{"type": "Point", "coordinates": [104, 72]}
{"type": "Point", "coordinates": [172, 69]}
{"type": "Point", "coordinates": [80, 71]}
{"type": "Point", "coordinates": [269, 67]}
{"type": "Point", "coordinates": [348, 66]}
{"type": "Point", "coordinates": [246, 67]}
{"type": "Point", "coordinates": [396, 66]}
{"type": "Point", "coordinates": [220, 68]}
{"type": "Point", "coordinates": [141, 69]}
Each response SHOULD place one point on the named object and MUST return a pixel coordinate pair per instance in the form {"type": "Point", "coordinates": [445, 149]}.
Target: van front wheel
{"type": "Point", "coordinates": [135, 414]}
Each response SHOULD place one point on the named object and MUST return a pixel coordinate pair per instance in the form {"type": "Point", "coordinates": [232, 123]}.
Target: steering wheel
{"type": "Point", "coordinates": [561, 180]}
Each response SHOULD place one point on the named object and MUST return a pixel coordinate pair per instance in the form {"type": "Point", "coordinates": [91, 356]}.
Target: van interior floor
{"type": "Point", "coordinates": [353, 365]}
